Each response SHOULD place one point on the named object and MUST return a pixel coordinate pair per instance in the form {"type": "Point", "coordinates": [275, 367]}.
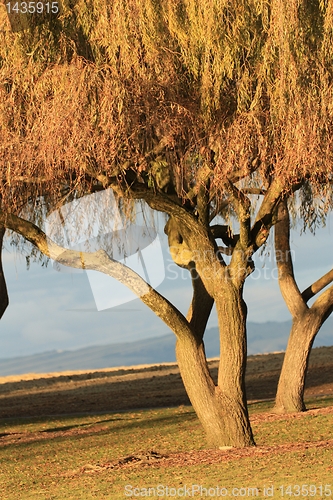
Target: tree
{"type": "Point", "coordinates": [4, 301]}
{"type": "Point", "coordinates": [197, 110]}
{"type": "Point", "coordinates": [306, 320]}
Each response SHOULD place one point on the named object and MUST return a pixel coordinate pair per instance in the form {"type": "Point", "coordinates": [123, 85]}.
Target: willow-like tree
{"type": "Point", "coordinates": [306, 320]}
{"type": "Point", "coordinates": [200, 109]}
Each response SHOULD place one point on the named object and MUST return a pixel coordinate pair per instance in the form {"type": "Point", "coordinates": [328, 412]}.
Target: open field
{"type": "Point", "coordinates": [65, 437]}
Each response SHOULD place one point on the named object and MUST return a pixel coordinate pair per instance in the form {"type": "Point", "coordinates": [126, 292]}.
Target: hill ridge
{"type": "Point", "coordinates": [267, 337]}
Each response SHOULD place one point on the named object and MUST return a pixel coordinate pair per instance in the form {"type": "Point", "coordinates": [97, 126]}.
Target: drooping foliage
{"type": "Point", "coordinates": [168, 94]}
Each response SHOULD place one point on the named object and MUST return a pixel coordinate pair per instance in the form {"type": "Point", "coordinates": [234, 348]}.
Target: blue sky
{"type": "Point", "coordinates": [56, 310]}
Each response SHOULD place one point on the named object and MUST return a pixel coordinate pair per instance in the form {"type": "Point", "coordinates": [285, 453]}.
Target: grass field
{"type": "Point", "coordinates": [110, 456]}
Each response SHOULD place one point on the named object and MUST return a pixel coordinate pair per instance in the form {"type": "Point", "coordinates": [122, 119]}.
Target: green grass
{"type": "Point", "coordinates": [59, 462]}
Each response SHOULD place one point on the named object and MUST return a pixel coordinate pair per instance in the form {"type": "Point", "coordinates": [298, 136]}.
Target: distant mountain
{"type": "Point", "coordinates": [262, 338]}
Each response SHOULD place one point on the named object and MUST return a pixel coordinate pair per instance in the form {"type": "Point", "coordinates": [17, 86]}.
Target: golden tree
{"type": "Point", "coordinates": [199, 109]}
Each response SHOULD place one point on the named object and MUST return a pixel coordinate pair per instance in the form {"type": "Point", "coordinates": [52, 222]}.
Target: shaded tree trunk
{"type": "Point", "coordinates": [307, 321]}
{"type": "Point", "coordinates": [290, 391]}
{"type": "Point", "coordinates": [4, 301]}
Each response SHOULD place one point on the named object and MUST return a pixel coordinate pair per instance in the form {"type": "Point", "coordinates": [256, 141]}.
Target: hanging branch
{"type": "Point", "coordinates": [287, 282]}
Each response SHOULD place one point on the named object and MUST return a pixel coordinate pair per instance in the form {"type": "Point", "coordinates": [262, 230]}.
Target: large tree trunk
{"type": "Point", "coordinates": [232, 313]}
{"type": "Point", "coordinates": [4, 301]}
{"type": "Point", "coordinates": [221, 409]}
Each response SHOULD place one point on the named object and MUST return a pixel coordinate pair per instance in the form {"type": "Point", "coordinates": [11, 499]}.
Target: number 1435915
{"type": "Point", "coordinates": [32, 7]}
{"type": "Point", "coordinates": [306, 490]}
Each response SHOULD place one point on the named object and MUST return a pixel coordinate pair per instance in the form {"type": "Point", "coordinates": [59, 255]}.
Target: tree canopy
{"type": "Point", "coordinates": [169, 95]}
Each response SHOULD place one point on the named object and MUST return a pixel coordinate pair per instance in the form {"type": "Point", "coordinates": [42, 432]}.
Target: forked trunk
{"type": "Point", "coordinates": [306, 321]}
{"type": "Point", "coordinates": [221, 409]}
{"type": "Point", "coordinates": [290, 391]}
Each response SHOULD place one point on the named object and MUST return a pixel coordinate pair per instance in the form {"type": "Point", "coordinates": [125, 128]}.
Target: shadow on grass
{"type": "Point", "coordinates": [141, 421]}
{"type": "Point", "coordinates": [108, 396]}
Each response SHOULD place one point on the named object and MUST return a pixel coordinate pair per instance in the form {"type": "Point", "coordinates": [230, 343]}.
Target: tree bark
{"type": "Point", "coordinates": [290, 392]}
{"type": "Point", "coordinates": [4, 300]}
{"type": "Point", "coordinates": [307, 321]}
{"type": "Point", "coordinates": [232, 314]}
{"type": "Point", "coordinates": [221, 408]}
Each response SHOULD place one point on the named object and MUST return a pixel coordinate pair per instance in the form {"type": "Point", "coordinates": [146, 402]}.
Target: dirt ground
{"type": "Point", "coordinates": [117, 389]}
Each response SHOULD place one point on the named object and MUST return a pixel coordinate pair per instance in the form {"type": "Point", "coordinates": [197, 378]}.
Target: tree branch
{"type": "Point", "coordinates": [250, 190]}
{"type": "Point", "coordinates": [28, 179]}
{"type": "Point", "coordinates": [264, 220]}
{"type": "Point", "coordinates": [242, 206]}
{"type": "Point", "coordinates": [203, 178]}
{"type": "Point", "coordinates": [317, 286]}
{"type": "Point", "coordinates": [295, 300]}
{"type": "Point", "coordinates": [156, 200]}
{"type": "Point", "coordinates": [289, 289]}
{"type": "Point", "coordinates": [4, 300]}
{"type": "Point", "coordinates": [203, 204]}
{"type": "Point", "coordinates": [103, 179]}
{"type": "Point", "coordinates": [223, 232]}
{"type": "Point", "coordinates": [100, 261]}
{"type": "Point", "coordinates": [162, 202]}
{"type": "Point", "coordinates": [323, 306]}
{"type": "Point", "coordinates": [220, 206]}
{"type": "Point", "coordinates": [237, 175]}
{"type": "Point", "coordinates": [201, 305]}
{"type": "Point", "coordinates": [241, 264]}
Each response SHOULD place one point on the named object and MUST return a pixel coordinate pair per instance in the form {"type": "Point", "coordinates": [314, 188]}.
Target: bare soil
{"type": "Point", "coordinates": [117, 389]}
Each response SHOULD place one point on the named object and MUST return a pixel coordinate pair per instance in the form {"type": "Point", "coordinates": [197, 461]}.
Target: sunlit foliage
{"type": "Point", "coordinates": [234, 90]}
